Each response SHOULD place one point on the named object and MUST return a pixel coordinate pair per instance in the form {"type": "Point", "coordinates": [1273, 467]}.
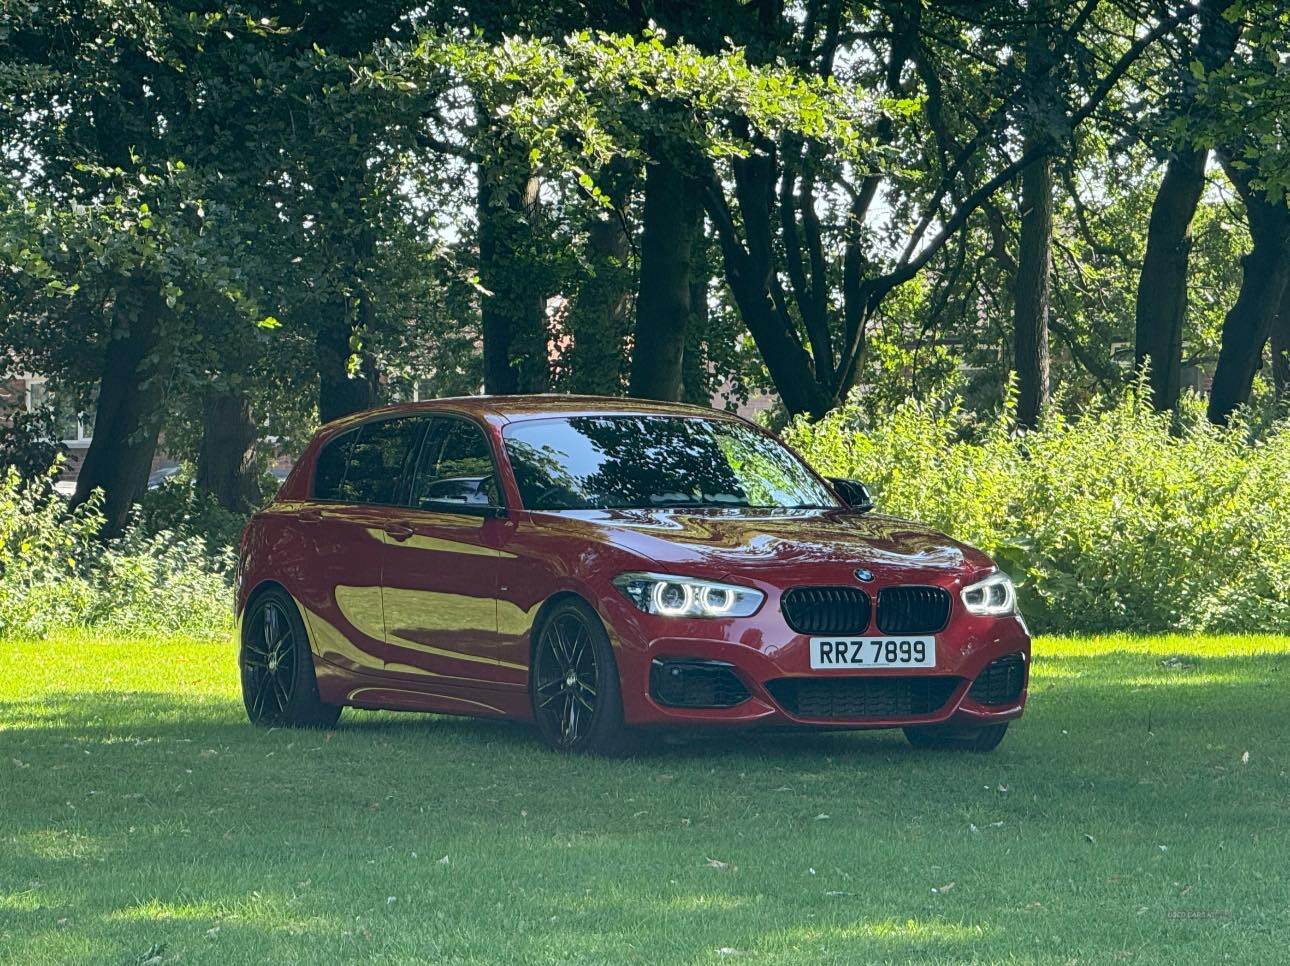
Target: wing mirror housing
{"type": "Point", "coordinates": [853, 493]}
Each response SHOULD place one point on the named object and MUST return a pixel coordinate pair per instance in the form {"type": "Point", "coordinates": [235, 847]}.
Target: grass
{"type": "Point", "coordinates": [143, 821]}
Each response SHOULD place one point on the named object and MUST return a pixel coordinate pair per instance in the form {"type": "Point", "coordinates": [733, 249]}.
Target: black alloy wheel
{"type": "Point", "coordinates": [278, 682]}
{"type": "Point", "coordinates": [577, 702]}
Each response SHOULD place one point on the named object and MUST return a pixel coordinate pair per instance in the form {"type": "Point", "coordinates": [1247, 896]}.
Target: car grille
{"type": "Point", "coordinates": [868, 697]}
{"type": "Point", "coordinates": [695, 684]}
{"type": "Point", "coordinates": [1001, 681]}
{"type": "Point", "coordinates": [913, 610]}
{"type": "Point", "coordinates": [826, 610]}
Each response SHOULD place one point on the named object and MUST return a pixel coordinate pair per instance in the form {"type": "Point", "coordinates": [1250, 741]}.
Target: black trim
{"type": "Point", "coordinates": [695, 683]}
{"type": "Point", "coordinates": [856, 698]}
{"type": "Point", "coordinates": [913, 609]}
{"type": "Point", "coordinates": [826, 610]}
{"type": "Point", "coordinates": [1001, 682]}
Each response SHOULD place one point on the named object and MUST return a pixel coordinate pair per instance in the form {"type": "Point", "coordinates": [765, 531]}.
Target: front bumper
{"type": "Point", "coordinates": [773, 666]}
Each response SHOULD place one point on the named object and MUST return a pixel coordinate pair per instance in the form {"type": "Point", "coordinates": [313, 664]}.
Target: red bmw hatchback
{"type": "Point", "coordinates": [601, 565]}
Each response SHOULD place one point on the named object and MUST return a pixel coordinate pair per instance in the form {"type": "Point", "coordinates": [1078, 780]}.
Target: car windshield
{"type": "Point", "coordinates": [645, 461]}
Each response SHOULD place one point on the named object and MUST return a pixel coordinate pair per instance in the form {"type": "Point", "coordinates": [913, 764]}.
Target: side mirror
{"type": "Point", "coordinates": [853, 493]}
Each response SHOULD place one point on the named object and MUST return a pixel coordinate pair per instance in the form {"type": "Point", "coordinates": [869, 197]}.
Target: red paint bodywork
{"type": "Point", "coordinates": [441, 620]}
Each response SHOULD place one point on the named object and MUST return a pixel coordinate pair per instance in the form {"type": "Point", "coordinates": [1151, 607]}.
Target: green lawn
{"type": "Point", "coordinates": [142, 820]}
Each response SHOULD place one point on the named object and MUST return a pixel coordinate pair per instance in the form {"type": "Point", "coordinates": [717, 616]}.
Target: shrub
{"type": "Point", "coordinates": [1108, 521]}
{"type": "Point", "coordinates": [178, 507]}
{"type": "Point", "coordinates": [29, 443]}
{"type": "Point", "coordinates": [56, 573]}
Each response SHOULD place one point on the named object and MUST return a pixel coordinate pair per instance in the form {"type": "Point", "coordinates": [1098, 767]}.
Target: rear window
{"type": "Point", "coordinates": [367, 465]}
{"type": "Point", "coordinates": [329, 470]}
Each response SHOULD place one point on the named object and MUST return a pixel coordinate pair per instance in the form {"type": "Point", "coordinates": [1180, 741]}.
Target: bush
{"type": "Point", "coordinates": [56, 573]}
{"type": "Point", "coordinates": [29, 443]}
{"type": "Point", "coordinates": [178, 507]}
{"type": "Point", "coordinates": [1108, 521]}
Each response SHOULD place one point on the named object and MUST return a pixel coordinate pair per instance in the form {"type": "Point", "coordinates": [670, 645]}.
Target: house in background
{"type": "Point", "coordinates": [27, 392]}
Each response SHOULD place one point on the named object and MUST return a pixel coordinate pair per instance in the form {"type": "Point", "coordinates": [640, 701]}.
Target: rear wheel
{"type": "Point", "coordinates": [957, 738]}
{"type": "Point", "coordinates": [278, 683]}
{"type": "Point", "coordinates": [577, 700]}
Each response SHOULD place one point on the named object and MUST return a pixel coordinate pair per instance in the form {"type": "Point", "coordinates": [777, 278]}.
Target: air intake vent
{"type": "Point", "coordinates": [1001, 681]}
{"type": "Point", "coordinates": [695, 684]}
{"type": "Point", "coordinates": [913, 610]}
{"type": "Point", "coordinates": [856, 698]}
{"type": "Point", "coordinates": [826, 610]}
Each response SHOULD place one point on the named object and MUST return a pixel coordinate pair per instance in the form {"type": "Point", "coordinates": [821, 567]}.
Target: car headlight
{"type": "Point", "coordinates": [991, 596]}
{"type": "Point", "coordinates": [669, 596]}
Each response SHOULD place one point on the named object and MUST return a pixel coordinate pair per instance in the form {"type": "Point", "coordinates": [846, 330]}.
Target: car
{"type": "Point", "coordinates": [600, 567]}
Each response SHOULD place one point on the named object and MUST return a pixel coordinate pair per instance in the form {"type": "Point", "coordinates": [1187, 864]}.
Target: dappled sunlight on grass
{"type": "Point", "coordinates": [272, 912]}
{"type": "Point", "coordinates": [147, 812]}
{"type": "Point", "coordinates": [57, 845]}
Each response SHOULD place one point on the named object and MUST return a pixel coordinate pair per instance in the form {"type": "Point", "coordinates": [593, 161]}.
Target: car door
{"type": "Point", "coordinates": [359, 480]}
{"type": "Point", "coordinates": [440, 572]}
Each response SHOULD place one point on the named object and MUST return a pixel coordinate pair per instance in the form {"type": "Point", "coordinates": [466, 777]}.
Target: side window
{"type": "Point", "coordinates": [329, 470]}
{"type": "Point", "coordinates": [456, 467]}
{"type": "Point", "coordinates": [377, 460]}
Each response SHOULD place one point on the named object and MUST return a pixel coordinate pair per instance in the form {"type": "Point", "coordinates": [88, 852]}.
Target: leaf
{"type": "Point", "coordinates": [717, 864]}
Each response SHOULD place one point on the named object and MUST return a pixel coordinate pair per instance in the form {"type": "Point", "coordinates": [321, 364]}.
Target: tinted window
{"type": "Point", "coordinates": [594, 462]}
{"type": "Point", "coordinates": [329, 470]}
{"type": "Point", "coordinates": [375, 467]}
{"type": "Point", "coordinates": [455, 467]}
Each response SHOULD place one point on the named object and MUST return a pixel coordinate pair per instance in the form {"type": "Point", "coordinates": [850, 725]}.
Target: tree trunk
{"type": "Point", "coordinates": [695, 374]}
{"type": "Point", "coordinates": [600, 316]}
{"type": "Point", "coordinates": [1281, 347]}
{"type": "Point", "coordinates": [226, 455]}
{"type": "Point", "coordinates": [137, 364]}
{"type": "Point", "coordinates": [1032, 288]}
{"type": "Point", "coordinates": [1162, 285]}
{"type": "Point", "coordinates": [671, 221]}
{"type": "Point", "coordinates": [513, 310]}
{"type": "Point", "coordinates": [340, 392]}
{"type": "Point", "coordinates": [1265, 271]}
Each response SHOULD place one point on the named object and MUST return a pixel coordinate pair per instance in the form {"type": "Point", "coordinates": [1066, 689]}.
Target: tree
{"type": "Point", "coordinates": [1161, 308]}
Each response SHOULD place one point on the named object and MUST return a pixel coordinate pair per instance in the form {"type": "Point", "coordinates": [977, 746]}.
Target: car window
{"type": "Point", "coordinates": [455, 467]}
{"type": "Point", "coordinates": [329, 469]}
{"type": "Point", "coordinates": [598, 462]}
{"type": "Point", "coordinates": [377, 460]}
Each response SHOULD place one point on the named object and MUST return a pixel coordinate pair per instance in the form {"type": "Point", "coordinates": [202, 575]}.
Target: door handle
{"type": "Point", "coordinates": [309, 516]}
{"type": "Point", "coordinates": [398, 532]}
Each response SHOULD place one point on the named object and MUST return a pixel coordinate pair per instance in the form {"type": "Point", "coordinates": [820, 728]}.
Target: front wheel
{"type": "Point", "coordinates": [278, 683]}
{"type": "Point", "coordinates": [577, 700]}
{"type": "Point", "coordinates": [955, 738]}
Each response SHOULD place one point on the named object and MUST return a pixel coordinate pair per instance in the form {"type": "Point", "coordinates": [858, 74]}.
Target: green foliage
{"type": "Point", "coordinates": [1107, 520]}
{"type": "Point", "coordinates": [56, 574]}
{"type": "Point", "coordinates": [178, 507]}
{"type": "Point", "coordinates": [29, 443]}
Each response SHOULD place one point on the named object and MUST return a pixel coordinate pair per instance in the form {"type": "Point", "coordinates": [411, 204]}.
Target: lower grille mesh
{"type": "Point", "coordinates": [696, 684]}
{"type": "Point", "coordinates": [1001, 681]}
{"type": "Point", "coordinates": [855, 698]}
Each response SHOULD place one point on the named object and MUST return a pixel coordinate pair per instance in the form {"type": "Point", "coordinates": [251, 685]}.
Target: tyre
{"type": "Point", "coordinates": [952, 738]}
{"type": "Point", "coordinates": [279, 688]}
{"type": "Point", "coordinates": [573, 682]}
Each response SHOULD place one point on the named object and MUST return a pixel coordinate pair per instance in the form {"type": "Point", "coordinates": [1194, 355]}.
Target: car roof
{"type": "Point", "coordinates": [514, 408]}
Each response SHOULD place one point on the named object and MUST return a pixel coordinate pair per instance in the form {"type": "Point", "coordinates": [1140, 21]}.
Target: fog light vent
{"type": "Point", "coordinates": [695, 684]}
{"type": "Point", "coordinates": [1001, 681]}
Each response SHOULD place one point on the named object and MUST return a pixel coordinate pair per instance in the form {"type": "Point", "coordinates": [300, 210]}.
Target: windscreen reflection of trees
{"type": "Point", "coordinates": [599, 462]}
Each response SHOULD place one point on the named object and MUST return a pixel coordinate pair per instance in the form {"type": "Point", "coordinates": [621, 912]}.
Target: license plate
{"type": "Point", "coordinates": [852, 652]}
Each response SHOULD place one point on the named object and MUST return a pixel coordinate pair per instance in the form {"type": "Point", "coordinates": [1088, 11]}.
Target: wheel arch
{"type": "Point", "coordinates": [544, 612]}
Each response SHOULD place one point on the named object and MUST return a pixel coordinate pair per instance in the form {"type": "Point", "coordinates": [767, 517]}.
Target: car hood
{"type": "Point", "coordinates": [721, 542]}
